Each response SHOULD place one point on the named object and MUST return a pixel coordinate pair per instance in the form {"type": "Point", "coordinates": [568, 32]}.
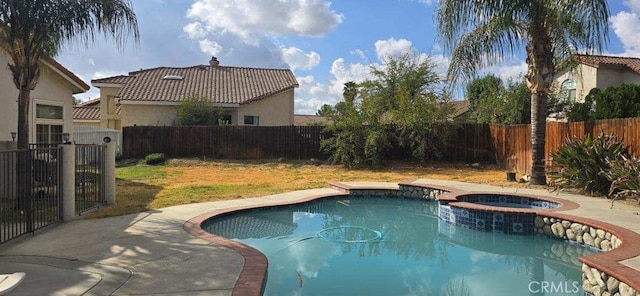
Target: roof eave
{"type": "Point", "coordinates": [80, 86]}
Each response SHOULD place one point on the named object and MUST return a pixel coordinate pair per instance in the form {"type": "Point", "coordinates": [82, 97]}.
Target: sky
{"type": "Point", "coordinates": [324, 43]}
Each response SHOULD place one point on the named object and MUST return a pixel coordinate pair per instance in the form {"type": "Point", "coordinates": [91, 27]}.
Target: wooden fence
{"type": "Point", "coordinates": [224, 142]}
{"type": "Point", "coordinates": [508, 146]}
{"type": "Point", "coordinates": [513, 143]}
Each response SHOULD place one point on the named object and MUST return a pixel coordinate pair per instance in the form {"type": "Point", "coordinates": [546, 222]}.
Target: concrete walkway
{"type": "Point", "coordinates": [150, 253]}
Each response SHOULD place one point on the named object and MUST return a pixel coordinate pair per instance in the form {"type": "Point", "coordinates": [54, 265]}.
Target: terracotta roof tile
{"type": "Point", "coordinates": [599, 60]}
{"type": "Point", "coordinates": [86, 113]}
{"type": "Point", "coordinates": [303, 120]}
{"type": "Point", "coordinates": [89, 110]}
{"type": "Point", "coordinates": [120, 79]}
{"type": "Point", "coordinates": [227, 85]}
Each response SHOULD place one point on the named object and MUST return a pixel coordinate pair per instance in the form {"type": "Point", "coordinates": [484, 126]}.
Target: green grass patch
{"type": "Point", "coordinates": [141, 172]}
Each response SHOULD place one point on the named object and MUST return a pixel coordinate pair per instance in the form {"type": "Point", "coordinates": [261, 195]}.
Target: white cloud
{"type": "Point", "coordinates": [392, 47]}
{"type": "Point", "coordinates": [625, 24]}
{"type": "Point", "coordinates": [359, 53]}
{"type": "Point", "coordinates": [210, 47]}
{"type": "Point", "coordinates": [311, 94]}
{"type": "Point", "coordinates": [512, 70]}
{"type": "Point", "coordinates": [344, 72]}
{"type": "Point", "coordinates": [195, 30]}
{"type": "Point", "coordinates": [250, 19]}
{"type": "Point", "coordinates": [298, 59]}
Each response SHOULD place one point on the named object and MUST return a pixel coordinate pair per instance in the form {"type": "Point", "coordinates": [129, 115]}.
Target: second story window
{"type": "Point", "coordinates": [568, 90]}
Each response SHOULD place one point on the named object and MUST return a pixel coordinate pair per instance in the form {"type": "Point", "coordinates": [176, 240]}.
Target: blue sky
{"type": "Point", "coordinates": [325, 43]}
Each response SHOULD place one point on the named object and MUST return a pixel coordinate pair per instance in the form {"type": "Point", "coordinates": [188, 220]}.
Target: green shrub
{"type": "Point", "coordinates": [624, 175]}
{"type": "Point", "coordinates": [155, 158]}
{"type": "Point", "coordinates": [582, 161]}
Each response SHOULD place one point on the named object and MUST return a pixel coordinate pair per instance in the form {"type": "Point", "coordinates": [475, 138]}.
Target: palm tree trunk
{"type": "Point", "coordinates": [538, 137]}
{"type": "Point", "coordinates": [23, 118]}
{"type": "Point", "coordinates": [24, 157]}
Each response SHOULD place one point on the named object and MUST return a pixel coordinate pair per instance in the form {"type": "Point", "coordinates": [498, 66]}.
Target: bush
{"type": "Point", "coordinates": [624, 175]}
{"type": "Point", "coordinates": [155, 159]}
{"type": "Point", "coordinates": [582, 161]}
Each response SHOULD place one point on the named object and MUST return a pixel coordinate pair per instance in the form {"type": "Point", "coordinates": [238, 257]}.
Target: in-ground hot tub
{"type": "Point", "coordinates": [497, 212]}
{"type": "Point", "coordinates": [508, 201]}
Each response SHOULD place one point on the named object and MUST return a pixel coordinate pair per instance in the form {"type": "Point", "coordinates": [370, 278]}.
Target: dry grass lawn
{"type": "Point", "coordinates": [183, 181]}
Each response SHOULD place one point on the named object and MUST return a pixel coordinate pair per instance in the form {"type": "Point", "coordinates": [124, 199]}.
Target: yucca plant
{"type": "Point", "coordinates": [624, 175]}
{"type": "Point", "coordinates": [580, 163]}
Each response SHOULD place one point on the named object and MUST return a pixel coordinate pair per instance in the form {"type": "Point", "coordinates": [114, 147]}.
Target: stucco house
{"type": "Point", "coordinates": [50, 112]}
{"type": "Point", "coordinates": [248, 96]}
{"type": "Point", "coordinates": [596, 71]}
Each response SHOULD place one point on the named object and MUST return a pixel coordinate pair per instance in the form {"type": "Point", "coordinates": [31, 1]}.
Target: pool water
{"type": "Point", "coordinates": [396, 246]}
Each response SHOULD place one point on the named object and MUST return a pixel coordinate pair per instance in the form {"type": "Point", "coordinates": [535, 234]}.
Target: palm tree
{"type": "Point", "coordinates": [35, 30]}
{"type": "Point", "coordinates": [479, 33]}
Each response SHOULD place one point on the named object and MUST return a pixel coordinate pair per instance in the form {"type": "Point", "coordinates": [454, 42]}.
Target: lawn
{"type": "Point", "coordinates": [183, 181]}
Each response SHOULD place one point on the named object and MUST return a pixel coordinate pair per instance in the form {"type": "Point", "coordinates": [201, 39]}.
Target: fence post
{"type": "Point", "coordinates": [68, 182]}
{"type": "Point", "coordinates": [110, 172]}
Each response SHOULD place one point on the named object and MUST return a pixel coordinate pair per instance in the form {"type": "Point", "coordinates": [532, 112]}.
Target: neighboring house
{"type": "Point", "coordinates": [50, 112]}
{"type": "Point", "coordinates": [87, 113]}
{"type": "Point", "coordinates": [595, 71]}
{"type": "Point", "coordinates": [248, 96]}
{"type": "Point", "coordinates": [306, 120]}
{"type": "Point", "coordinates": [460, 111]}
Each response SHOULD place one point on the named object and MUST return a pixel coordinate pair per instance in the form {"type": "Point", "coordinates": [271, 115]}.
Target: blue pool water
{"type": "Point", "coordinates": [395, 246]}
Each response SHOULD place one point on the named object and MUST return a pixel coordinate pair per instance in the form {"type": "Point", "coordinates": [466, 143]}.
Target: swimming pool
{"type": "Point", "coordinates": [395, 246]}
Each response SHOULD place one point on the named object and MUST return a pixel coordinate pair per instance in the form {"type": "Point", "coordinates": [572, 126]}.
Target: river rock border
{"type": "Point", "coordinates": [594, 281]}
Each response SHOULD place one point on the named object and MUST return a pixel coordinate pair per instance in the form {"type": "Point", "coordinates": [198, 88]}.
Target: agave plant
{"type": "Point", "coordinates": [580, 163]}
{"type": "Point", "coordinates": [624, 175]}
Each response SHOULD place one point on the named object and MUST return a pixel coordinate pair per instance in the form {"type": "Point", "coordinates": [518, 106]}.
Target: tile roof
{"type": "Point", "coordinates": [89, 110]}
{"type": "Point", "coordinates": [226, 85]}
{"type": "Point", "coordinates": [599, 60]}
{"type": "Point", "coordinates": [86, 113]}
{"type": "Point", "coordinates": [303, 120]}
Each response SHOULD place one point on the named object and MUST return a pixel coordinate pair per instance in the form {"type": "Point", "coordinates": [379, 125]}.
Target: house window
{"type": "Point", "coordinates": [251, 120]}
{"type": "Point", "coordinates": [568, 90]}
{"type": "Point", "coordinates": [48, 134]}
{"type": "Point", "coordinates": [224, 119]}
{"type": "Point", "coordinates": [48, 112]}
{"type": "Point", "coordinates": [49, 123]}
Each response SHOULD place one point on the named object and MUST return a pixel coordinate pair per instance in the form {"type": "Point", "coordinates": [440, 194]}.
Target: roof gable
{"type": "Point", "coordinates": [80, 86]}
{"type": "Point", "coordinates": [599, 60]}
{"type": "Point", "coordinates": [224, 85]}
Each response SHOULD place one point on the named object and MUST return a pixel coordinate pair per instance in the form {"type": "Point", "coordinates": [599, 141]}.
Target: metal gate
{"type": "Point", "coordinates": [89, 178]}
{"type": "Point", "coordinates": [30, 190]}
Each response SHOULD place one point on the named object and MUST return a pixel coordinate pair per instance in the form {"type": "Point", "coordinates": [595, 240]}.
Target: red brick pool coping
{"type": "Point", "coordinates": [254, 270]}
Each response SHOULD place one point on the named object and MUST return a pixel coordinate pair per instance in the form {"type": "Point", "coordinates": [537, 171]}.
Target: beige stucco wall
{"type": "Point", "coordinates": [611, 76]}
{"type": "Point", "coordinates": [588, 77]}
{"type": "Point", "coordinates": [95, 123]}
{"type": "Point", "coordinates": [148, 115]}
{"type": "Point", "coordinates": [276, 110]}
{"type": "Point", "coordinates": [52, 89]}
{"type": "Point", "coordinates": [585, 78]}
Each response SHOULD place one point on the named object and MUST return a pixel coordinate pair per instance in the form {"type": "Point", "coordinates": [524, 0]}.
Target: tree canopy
{"type": "Point", "coordinates": [33, 30]}
{"type": "Point", "coordinates": [482, 33]}
{"type": "Point", "coordinates": [401, 109]}
{"type": "Point", "coordinates": [490, 101]}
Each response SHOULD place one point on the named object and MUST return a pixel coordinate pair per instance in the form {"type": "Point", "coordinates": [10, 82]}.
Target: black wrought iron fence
{"type": "Point", "coordinates": [89, 178]}
{"type": "Point", "coordinates": [30, 190]}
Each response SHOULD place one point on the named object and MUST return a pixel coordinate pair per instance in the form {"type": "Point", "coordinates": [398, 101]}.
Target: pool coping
{"type": "Point", "coordinates": [252, 277]}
